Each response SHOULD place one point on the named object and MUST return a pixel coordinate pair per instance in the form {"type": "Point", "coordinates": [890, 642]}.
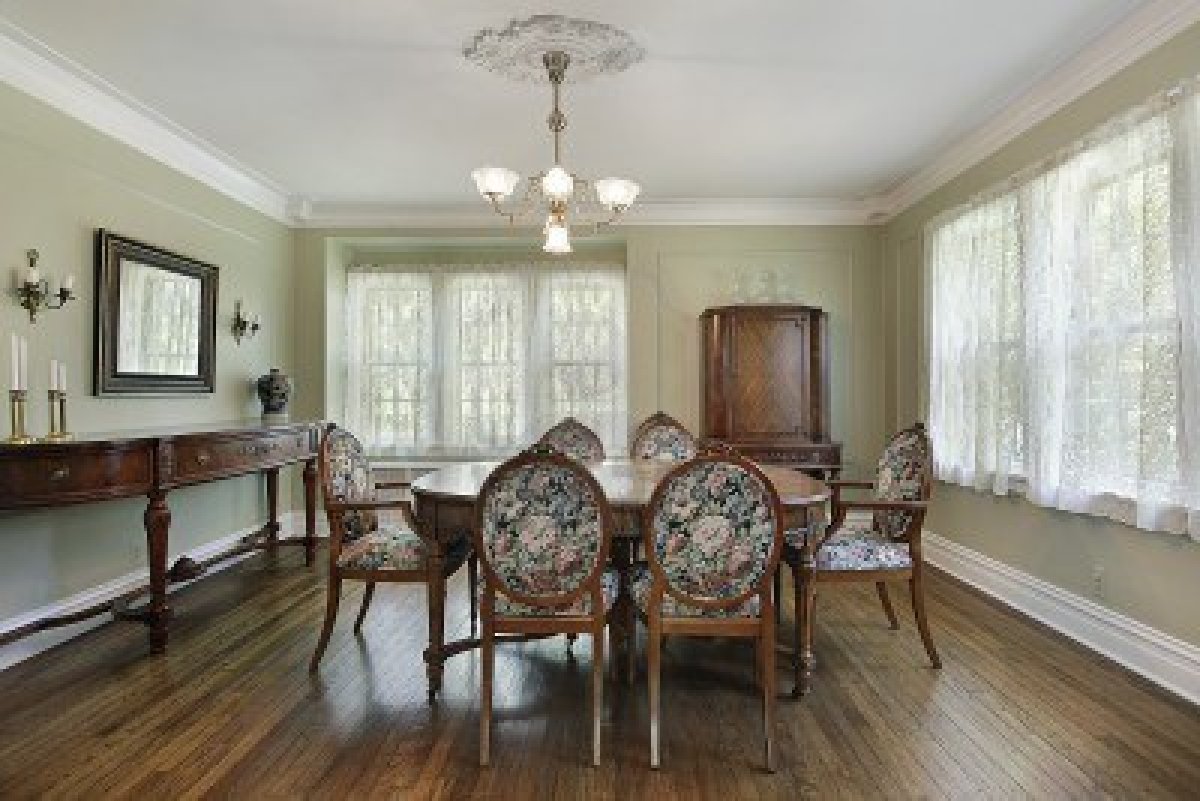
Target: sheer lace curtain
{"type": "Point", "coordinates": [1064, 356]}
{"type": "Point", "coordinates": [476, 361]}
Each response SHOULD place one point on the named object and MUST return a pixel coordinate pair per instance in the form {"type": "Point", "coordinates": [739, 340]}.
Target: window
{"type": "Point", "coordinates": [1059, 359]}
{"type": "Point", "coordinates": [477, 361]}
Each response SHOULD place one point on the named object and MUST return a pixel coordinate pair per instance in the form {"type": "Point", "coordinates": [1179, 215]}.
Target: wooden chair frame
{"type": "Point", "coordinates": [336, 510]}
{"type": "Point", "coordinates": [761, 629]}
{"type": "Point", "coordinates": [571, 625]}
{"type": "Point", "coordinates": [660, 420]}
{"type": "Point", "coordinates": [805, 575]}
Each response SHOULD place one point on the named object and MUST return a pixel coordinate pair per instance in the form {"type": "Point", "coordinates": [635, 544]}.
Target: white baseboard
{"type": "Point", "coordinates": [34, 644]}
{"type": "Point", "coordinates": [1159, 657]}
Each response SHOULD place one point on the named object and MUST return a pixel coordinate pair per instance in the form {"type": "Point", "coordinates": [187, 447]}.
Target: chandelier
{"type": "Point", "coordinates": [564, 196]}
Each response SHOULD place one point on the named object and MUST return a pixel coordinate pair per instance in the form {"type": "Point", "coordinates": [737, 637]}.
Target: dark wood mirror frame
{"type": "Point", "coordinates": [111, 249]}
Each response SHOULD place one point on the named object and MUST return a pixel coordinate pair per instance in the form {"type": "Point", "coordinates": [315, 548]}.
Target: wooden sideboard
{"type": "Point", "coordinates": [764, 388]}
{"type": "Point", "coordinates": [150, 463]}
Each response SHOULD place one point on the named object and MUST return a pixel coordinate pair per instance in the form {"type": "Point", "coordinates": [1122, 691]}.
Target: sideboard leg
{"type": "Point", "coordinates": [310, 512]}
{"type": "Point", "coordinates": [158, 522]}
{"type": "Point", "coordinates": [272, 529]}
{"type": "Point", "coordinates": [434, 654]}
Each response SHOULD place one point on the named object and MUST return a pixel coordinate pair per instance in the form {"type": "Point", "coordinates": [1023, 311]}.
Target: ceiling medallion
{"type": "Point", "coordinates": [552, 44]}
{"type": "Point", "coordinates": [516, 50]}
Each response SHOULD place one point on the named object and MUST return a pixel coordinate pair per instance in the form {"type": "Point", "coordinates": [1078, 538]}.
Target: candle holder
{"type": "Point", "coordinates": [36, 295]}
{"type": "Point", "coordinates": [58, 416]}
{"type": "Point", "coordinates": [16, 414]}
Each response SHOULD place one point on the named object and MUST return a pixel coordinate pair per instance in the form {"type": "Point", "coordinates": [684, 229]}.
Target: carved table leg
{"type": "Point", "coordinates": [804, 612]}
{"type": "Point", "coordinates": [434, 654]}
{"type": "Point", "coordinates": [271, 530]}
{"type": "Point", "coordinates": [158, 521]}
{"type": "Point", "coordinates": [310, 512]}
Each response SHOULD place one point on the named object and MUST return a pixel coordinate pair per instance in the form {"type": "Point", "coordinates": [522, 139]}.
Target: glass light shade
{"type": "Point", "coordinates": [558, 237]}
{"type": "Point", "coordinates": [557, 184]}
{"type": "Point", "coordinates": [497, 181]}
{"type": "Point", "coordinates": [616, 193]}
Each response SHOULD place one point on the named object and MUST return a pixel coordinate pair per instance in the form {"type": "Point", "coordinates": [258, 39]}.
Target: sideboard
{"type": "Point", "coordinates": [151, 463]}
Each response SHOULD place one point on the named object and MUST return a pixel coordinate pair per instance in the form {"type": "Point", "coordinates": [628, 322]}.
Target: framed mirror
{"type": "Point", "coordinates": [156, 317]}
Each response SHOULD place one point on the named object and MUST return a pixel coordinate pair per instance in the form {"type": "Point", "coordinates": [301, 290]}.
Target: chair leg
{"type": "Point", "coordinates": [473, 581]}
{"type": "Point", "coordinates": [654, 668]}
{"type": "Point", "coordinates": [806, 607]}
{"type": "Point", "coordinates": [886, 600]}
{"type": "Point", "coordinates": [368, 594]}
{"type": "Point", "coordinates": [488, 665]}
{"type": "Point", "coordinates": [597, 691]}
{"type": "Point", "coordinates": [571, 638]}
{"type": "Point", "coordinates": [778, 594]}
{"type": "Point", "coordinates": [767, 644]}
{"type": "Point", "coordinates": [798, 613]}
{"type": "Point", "coordinates": [332, 599]}
{"type": "Point", "coordinates": [918, 601]}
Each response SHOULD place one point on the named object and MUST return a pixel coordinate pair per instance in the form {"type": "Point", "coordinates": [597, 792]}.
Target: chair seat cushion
{"type": "Point", "coordinates": [672, 607]}
{"type": "Point", "coordinates": [386, 548]}
{"type": "Point", "coordinates": [855, 545]}
{"type": "Point", "coordinates": [507, 607]}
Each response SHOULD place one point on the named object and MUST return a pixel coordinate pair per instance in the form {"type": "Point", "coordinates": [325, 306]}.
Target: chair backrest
{"type": "Point", "coordinates": [903, 474]}
{"type": "Point", "coordinates": [543, 528]}
{"type": "Point", "coordinates": [714, 530]}
{"type": "Point", "coordinates": [345, 474]}
{"type": "Point", "coordinates": [574, 439]}
{"type": "Point", "coordinates": [662, 437]}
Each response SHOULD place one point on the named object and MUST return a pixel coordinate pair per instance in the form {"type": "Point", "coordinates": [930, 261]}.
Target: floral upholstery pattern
{"type": "Point", "coordinates": [572, 438]}
{"type": "Point", "coordinates": [541, 529]}
{"type": "Point", "coordinates": [899, 477]}
{"type": "Point", "coordinates": [671, 607]}
{"type": "Point", "coordinates": [851, 528]}
{"type": "Point", "coordinates": [865, 551]}
{"type": "Point", "coordinates": [664, 441]}
{"type": "Point", "coordinates": [609, 586]}
{"type": "Point", "coordinates": [713, 530]}
{"type": "Point", "coordinates": [385, 548]}
{"type": "Point", "coordinates": [346, 473]}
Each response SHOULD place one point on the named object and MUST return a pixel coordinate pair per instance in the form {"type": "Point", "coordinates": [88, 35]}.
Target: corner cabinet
{"type": "Point", "coordinates": [764, 379]}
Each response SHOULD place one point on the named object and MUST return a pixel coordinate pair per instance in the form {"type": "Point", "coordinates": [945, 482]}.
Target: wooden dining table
{"type": "Point", "coordinates": [444, 503]}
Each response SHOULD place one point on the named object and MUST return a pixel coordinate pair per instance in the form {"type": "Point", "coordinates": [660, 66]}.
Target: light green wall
{"type": "Point", "coordinates": [61, 180]}
{"type": "Point", "coordinates": [1150, 577]}
{"type": "Point", "coordinates": [674, 273]}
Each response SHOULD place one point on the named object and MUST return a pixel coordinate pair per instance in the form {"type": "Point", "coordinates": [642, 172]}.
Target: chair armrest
{"type": "Point", "coordinates": [375, 504]}
{"type": "Point", "coordinates": [879, 503]}
{"type": "Point", "coordinates": [384, 485]}
{"type": "Point", "coordinates": [849, 483]}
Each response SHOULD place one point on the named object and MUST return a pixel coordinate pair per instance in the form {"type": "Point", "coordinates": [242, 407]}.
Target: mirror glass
{"type": "Point", "coordinates": [158, 324]}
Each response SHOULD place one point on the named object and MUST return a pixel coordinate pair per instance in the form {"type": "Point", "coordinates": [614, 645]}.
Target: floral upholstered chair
{"type": "Point", "coordinates": [882, 547]}
{"type": "Point", "coordinates": [661, 436]}
{"type": "Point", "coordinates": [543, 532]}
{"type": "Point", "coordinates": [712, 533]}
{"type": "Point", "coordinates": [363, 546]}
{"type": "Point", "coordinates": [573, 438]}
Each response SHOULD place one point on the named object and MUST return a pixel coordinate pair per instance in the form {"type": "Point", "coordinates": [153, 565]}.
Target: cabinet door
{"type": "Point", "coordinates": [771, 393]}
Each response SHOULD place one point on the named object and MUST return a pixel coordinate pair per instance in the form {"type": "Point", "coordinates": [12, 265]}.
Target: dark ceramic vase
{"type": "Point", "coordinates": [274, 390]}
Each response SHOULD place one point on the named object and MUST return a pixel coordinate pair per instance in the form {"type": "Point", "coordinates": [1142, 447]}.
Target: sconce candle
{"type": "Point", "coordinates": [34, 292]}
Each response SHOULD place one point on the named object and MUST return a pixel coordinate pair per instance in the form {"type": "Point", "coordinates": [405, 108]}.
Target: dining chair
{"type": "Point", "coordinates": [882, 547]}
{"type": "Point", "coordinates": [713, 533]}
{"type": "Point", "coordinates": [362, 545]}
{"type": "Point", "coordinates": [574, 439]}
{"type": "Point", "coordinates": [661, 436]}
{"type": "Point", "coordinates": [543, 530]}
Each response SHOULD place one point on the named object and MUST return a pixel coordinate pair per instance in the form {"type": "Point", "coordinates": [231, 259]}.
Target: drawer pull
{"type": "Point", "coordinates": [59, 473]}
{"type": "Point", "coordinates": [202, 458]}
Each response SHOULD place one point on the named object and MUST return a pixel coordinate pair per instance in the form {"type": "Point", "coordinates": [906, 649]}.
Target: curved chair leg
{"type": "Point", "coordinates": [767, 645]}
{"type": "Point", "coordinates": [488, 665]}
{"type": "Point", "coordinates": [798, 612]}
{"type": "Point", "coordinates": [331, 610]}
{"type": "Point", "coordinates": [918, 602]}
{"type": "Point", "coordinates": [882, 589]}
{"type": "Point", "coordinates": [597, 691]}
{"type": "Point", "coordinates": [473, 581]}
{"type": "Point", "coordinates": [368, 594]}
{"type": "Point", "coordinates": [654, 668]}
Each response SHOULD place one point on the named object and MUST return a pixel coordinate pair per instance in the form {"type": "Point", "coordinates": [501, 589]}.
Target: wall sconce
{"type": "Point", "coordinates": [34, 292]}
{"type": "Point", "coordinates": [244, 326]}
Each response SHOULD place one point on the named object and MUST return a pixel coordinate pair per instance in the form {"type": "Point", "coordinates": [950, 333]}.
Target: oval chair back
{"type": "Point", "coordinates": [663, 437]}
{"type": "Point", "coordinates": [903, 473]}
{"type": "Point", "coordinates": [714, 531]}
{"type": "Point", "coordinates": [572, 438]}
{"type": "Point", "coordinates": [345, 474]}
{"type": "Point", "coordinates": [543, 530]}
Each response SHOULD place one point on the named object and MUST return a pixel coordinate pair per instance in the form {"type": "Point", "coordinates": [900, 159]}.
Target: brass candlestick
{"type": "Point", "coordinates": [16, 414]}
{"type": "Point", "coordinates": [58, 416]}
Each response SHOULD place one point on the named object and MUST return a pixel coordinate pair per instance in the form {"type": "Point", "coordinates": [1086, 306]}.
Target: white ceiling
{"type": "Point", "coordinates": [371, 100]}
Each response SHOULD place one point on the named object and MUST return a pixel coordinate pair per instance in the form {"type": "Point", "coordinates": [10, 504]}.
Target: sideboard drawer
{"type": "Point", "coordinates": [72, 474]}
{"type": "Point", "coordinates": [202, 459]}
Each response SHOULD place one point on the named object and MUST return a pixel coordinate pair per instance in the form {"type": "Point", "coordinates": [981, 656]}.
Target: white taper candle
{"type": "Point", "coordinates": [62, 376]}
{"type": "Point", "coordinates": [54, 374]}
{"type": "Point", "coordinates": [24, 376]}
{"type": "Point", "coordinates": [15, 383]}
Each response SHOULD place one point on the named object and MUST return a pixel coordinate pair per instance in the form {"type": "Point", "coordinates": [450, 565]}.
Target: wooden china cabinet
{"type": "Point", "coordinates": [764, 384]}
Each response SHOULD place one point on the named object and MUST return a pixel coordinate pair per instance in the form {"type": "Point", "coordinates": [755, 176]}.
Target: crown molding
{"type": "Point", "coordinates": [30, 66]}
{"type": "Point", "coordinates": [680, 211]}
{"type": "Point", "coordinates": [1131, 39]}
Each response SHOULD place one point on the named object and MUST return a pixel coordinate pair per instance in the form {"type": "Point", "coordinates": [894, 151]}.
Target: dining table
{"type": "Point", "coordinates": [444, 507]}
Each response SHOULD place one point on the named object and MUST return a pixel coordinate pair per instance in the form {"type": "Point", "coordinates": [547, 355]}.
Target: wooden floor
{"type": "Point", "coordinates": [232, 711]}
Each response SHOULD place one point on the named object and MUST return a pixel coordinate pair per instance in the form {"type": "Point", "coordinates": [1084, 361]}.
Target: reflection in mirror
{"type": "Point", "coordinates": [158, 328]}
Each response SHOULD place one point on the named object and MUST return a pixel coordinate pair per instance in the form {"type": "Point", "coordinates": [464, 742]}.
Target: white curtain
{"type": "Point", "coordinates": [1063, 335]}
{"type": "Point", "coordinates": [476, 361]}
